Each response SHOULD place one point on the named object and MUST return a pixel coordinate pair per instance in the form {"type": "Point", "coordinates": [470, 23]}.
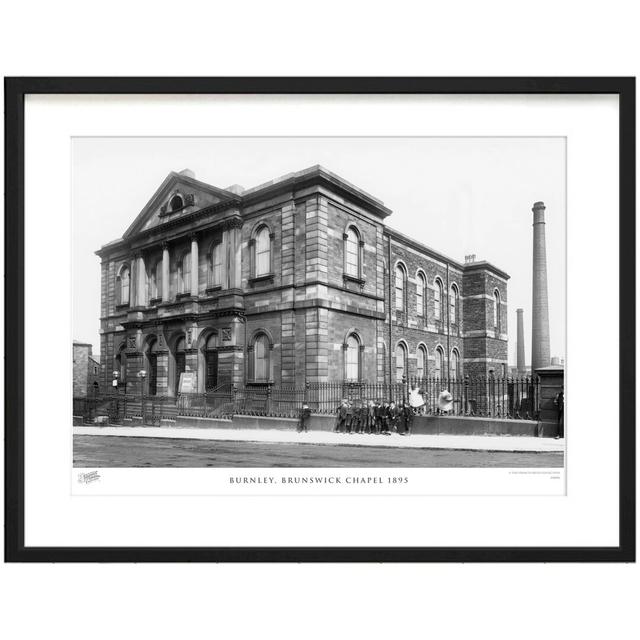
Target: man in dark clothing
{"type": "Point", "coordinates": [386, 419]}
{"type": "Point", "coordinates": [559, 402]}
{"type": "Point", "coordinates": [349, 421]}
{"type": "Point", "coordinates": [305, 416]}
{"type": "Point", "coordinates": [371, 417]}
{"type": "Point", "coordinates": [364, 417]}
{"type": "Point", "coordinates": [393, 417]}
{"type": "Point", "coordinates": [355, 418]}
{"type": "Point", "coordinates": [378, 414]}
{"type": "Point", "coordinates": [408, 417]}
{"type": "Point", "coordinates": [342, 417]}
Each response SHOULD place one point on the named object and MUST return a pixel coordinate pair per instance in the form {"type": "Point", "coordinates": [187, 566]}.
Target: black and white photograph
{"type": "Point", "coordinates": [319, 302]}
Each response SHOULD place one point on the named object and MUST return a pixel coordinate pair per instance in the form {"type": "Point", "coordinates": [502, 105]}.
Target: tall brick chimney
{"type": "Point", "coordinates": [520, 363]}
{"type": "Point", "coordinates": [540, 350]}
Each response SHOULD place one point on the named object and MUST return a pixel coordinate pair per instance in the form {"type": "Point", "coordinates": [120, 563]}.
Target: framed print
{"type": "Point", "coordinates": [320, 319]}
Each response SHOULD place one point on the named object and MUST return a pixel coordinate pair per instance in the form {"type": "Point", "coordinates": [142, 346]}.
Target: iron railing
{"type": "Point", "coordinates": [515, 398]}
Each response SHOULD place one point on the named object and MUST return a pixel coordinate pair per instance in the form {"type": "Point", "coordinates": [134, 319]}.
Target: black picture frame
{"type": "Point", "coordinates": [15, 91]}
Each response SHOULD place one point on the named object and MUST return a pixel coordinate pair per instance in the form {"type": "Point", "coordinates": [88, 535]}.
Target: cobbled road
{"type": "Point", "coordinates": [117, 451]}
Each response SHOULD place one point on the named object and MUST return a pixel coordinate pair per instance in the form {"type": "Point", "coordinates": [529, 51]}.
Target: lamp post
{"type": "Point", "coordinates": [114, 382]}
{"type": "Point", "coordinates": [142, 374]}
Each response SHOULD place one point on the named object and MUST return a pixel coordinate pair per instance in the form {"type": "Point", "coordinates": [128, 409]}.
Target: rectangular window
{"type": "Point", "coordinates": [419, 297]}
{"type": "Point", "coordinates": [437, 297]}
{"type": "Point", "coordinates": [216, 265]}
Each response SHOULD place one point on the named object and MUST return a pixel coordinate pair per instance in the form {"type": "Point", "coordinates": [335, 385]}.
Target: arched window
{"type": "Point", "coordinates": [496, 310]}
{"type": "Point", "coordinates": [401, 275]}
{"type": "Point", "coordinates": [184, 275]}
{"type": "Point", "coordinates": [122, 286]}
{"type": "Point", "coordinates": [421, 293]}
{"type": "Point", "coordinates": [216, 265]}
{"type": "Point", "coordinates": [437, 300]}
{"type": "Point", "coordinates": [454, 365]}
{"type": "Point", "coordinates": [439, 362]}
{"type": "Point", "coordinates": [352, 253]}
{"type": "Point", "coordinates": [262, 249]}
{"type": "Point", "coordinates": [176, 203]}
{"type": "Point", "coordinates": [421, 362]}
{"type": "Point", "coordinates": [261, 358]}
{"type": "Point", "coordinates": [352, 358]}
{"type": "Point", "coordinates": [401, 361]}
{"type": "Point", "coordinates": [453, 304]}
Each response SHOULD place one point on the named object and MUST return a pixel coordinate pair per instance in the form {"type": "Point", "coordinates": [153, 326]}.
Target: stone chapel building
{"type": "Point", "coordinates": [296, 279]}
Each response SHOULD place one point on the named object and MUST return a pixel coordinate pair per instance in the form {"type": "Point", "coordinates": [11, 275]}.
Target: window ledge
{"type": "Point", "coordinates": [357, 279]}
{"type": "Point", "coordinates": [213, 288]}
{"type": "Point", "coordinates": [182, 296]}
{"type": "Point", "coordinates": [155, 301]}
{"type": "Point", "coordinates": [124, 305]}
{"type": "Point", "coordinates": [263, 383]}
{"type": "Point", "coordinates": [265, 277]}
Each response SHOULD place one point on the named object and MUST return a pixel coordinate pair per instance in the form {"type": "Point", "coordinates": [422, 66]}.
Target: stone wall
{"type": "Point", "coordinates": [307, 304]}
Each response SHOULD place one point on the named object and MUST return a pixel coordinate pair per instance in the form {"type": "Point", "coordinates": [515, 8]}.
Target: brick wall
{"type": "Point", "coordinates": [485, 344]}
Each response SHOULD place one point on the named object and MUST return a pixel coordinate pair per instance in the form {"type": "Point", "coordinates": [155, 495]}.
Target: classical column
{"type": "Point", "coordinates": [166, 283]}
{"type": "Point", "coordinates": [194, 264]}
{"type": "Point", "coordinates": [540, 349]}
{"type": "Point", "coordinates": [234, 237]}
{"type": "Point", "coordinates": [133, 282]}
{"type": "Point", "coordinates": [141, 300]}
{"type": "Point", "coordinates": [520, 342]}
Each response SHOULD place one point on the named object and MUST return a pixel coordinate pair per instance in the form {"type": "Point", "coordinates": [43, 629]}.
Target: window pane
{"type": "Point", "coordinates": [185, 283]}
{"type": "Point", "coordinates": [124, 283]}
{"type": "Point", "coordinates": [454, 363]}
{"type": "Point", "coordinates": [420, 295]}
{"type": "Point", "coordinates": [420, 363]}
{"type": "Point", "coordinates": [437, 297]}
{"type": "Point", "coordinates": [453, 304]}
{"type": "Point", "coordinates": [352, 253]}
{"type": "Point", "coordinates": [400, 362]}
{"type": "Point", "coordinates": [261, 360]}
{"type": "Point", "coordinates": [439, 359]}
{"type": "Point", "coordinates": [263, 252]}
{"type": "Point", "coordinates": [216, 264]}
{"type": "Point", "coordinates": [399, 288]}
{"type": "Point", "coordinates": [352, 368]}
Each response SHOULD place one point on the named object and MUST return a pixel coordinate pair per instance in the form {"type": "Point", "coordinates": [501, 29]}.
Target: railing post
{"type": "Point", "coordinates": [268, 404]}
{"type": "Point", "coordinates": [234, 391]}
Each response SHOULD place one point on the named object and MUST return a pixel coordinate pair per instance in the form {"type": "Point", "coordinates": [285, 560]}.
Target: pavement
{"type": "Point", "coordinates": [467, 443]}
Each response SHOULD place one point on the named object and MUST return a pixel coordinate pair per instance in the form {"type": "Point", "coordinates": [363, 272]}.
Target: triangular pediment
{"type": "Point", "coordinates": [179, 195]}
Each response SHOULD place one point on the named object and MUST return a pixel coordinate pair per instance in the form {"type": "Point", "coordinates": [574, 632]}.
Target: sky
{"type": "Point", "coordinates": [457, 195]}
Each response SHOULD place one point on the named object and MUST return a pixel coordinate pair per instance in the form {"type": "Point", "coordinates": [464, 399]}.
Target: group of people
{"type": "Point", "coordinates": [374, 417]}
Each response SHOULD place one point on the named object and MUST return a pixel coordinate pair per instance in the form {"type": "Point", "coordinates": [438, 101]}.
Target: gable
{"type": "Point", "coordinates": [179, 195]}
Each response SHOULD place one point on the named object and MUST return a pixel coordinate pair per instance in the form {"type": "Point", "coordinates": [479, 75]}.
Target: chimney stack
{"type": "Point", "coordinates": [540, 350]}
{"type": "Point", "coordinates": [520, 363]}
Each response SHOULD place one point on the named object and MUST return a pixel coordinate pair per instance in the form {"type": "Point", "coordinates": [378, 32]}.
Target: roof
{"type": "Point", "coordinates": [297, 180]}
